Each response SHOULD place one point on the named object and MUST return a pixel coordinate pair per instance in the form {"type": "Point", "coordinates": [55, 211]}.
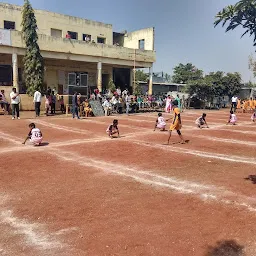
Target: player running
{"type": "Point", "coordinates": [176, 125]}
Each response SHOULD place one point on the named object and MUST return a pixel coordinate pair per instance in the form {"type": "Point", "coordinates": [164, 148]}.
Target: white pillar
{"type": "Point", "coordinates": [99, 76]}
{"type": "Point", "coordinates": [15, 73]}
{"type": "Point", "coordinates": [150, 83]}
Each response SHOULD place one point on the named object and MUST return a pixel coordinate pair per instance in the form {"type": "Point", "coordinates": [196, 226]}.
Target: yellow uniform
{"type": "Point", "coordinates": [238, 104]}
{"type": "Point", "coordinates": [176, 125]}
{"type": "Point", "coordinates": [251, 104]}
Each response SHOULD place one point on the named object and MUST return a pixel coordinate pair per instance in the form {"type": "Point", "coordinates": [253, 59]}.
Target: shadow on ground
{"type": "Point", "coordinates": [252, 178]}
{"type": "Point", "coordinates": [226, 248]}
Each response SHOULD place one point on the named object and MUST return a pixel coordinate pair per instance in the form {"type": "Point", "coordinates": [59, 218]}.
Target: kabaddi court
{"type": "Point", "coordinates": [82, 193]}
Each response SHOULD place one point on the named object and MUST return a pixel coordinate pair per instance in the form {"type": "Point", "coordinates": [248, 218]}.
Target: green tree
{"type": "Point", "coordinates": [111, 85]}
{"type": "Point", "coordinates": [200, 88]}
{"type": "Point", "coordinates": [232, 83]}
{"type": "Point", "coordinates": [184, 73]}
{"type": "Point", "coordinates": [141, 76]}
{"type": "Point", "coordinates": [214, 84]}
{"type": "Point", "coordinates": [242, 14]}
{"type": "Point", "coordinates": [33, 61]}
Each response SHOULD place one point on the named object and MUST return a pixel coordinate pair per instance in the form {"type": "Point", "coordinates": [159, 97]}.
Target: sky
{"type": "Point", "coordinates": [184, 30]}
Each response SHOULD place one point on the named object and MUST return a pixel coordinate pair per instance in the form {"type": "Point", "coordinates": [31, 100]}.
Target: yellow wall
{"type": "Point", "coordinates": [57, 21]}
{"type": "Point", "coordinates": [88, 52]}
{"type": "Point", "coordinates": [131, 40]}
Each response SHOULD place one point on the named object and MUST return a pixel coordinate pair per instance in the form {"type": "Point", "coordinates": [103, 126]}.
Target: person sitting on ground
{"type": "Point", "coordinates": [232, 118]}
{"type": "Point", "coordinates": [113, 129]}
{"type": "Point", "coordinates": [201, 122]}
{"type": "Point", "coordinates": [160, 122]}
{"type": "Point", "coordinates": [35, 135]}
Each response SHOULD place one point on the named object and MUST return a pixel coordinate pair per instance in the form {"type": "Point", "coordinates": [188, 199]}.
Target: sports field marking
{"type": "Point", "coordinates": [183, 150]}
{"type": "Point", "coordinates": [204, 192]}
{"type": "Point", "coordinates": [242, 142]}
{"type": "Point", "coordinates": [10, 138]}
{"type": "Point", "coordinates": [33, 233]}
{"type": "Point", "coordinates": [170, 148]}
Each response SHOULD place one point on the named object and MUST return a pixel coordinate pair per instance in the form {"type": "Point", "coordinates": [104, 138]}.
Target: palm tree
{"type": "Point", "coordinates": [243, 14]}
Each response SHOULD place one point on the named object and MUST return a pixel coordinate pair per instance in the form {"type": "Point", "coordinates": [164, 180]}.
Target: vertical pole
{"type": "Point", "coordinates": [99, 76]}
{"type": "Point", "coordinates": [134, 71]}
{"type": "Point", "coordinates": [150, 84]}
{"type": "Point", "coordinates": [15, 71]}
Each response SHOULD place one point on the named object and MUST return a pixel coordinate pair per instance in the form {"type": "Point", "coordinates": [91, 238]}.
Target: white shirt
{"type": "Point", "coordinates": [234, 99]}
{"type": "Point", "coordinates": [36, 134]}
{"type": "Point", "coordinates": [114, 100]}
{"type": "Point", "coordinates": [37, 96]}
{"type": "Point", "coordinates": [16, 100]}
{"type": "Point", "coordinates": [127, 99]}
{"type": "Point", "coordinates": [118, 92]}
{"type": "Point", "coordinates": [106, 104]}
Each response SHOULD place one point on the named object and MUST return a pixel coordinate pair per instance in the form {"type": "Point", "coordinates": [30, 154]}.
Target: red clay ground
{"type": "Point", "coordinates": [85, 194]}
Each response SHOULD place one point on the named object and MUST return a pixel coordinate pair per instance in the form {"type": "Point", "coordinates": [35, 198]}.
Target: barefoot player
{"type": "Point", "coordinates": [176, 125]}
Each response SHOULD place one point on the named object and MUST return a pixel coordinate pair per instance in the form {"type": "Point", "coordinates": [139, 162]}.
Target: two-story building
{"type": "Point", "coordinates": [79, 54]}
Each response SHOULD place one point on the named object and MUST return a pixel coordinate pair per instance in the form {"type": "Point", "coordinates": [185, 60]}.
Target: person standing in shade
{"type": "Point", "coordinates": [127, 102]}
{"type": "Point", "coordinates": [75, 106]}
{"type": "Point", "coordinates": [179, 102]}
{"type": "Point", "coordinates": [15, 101]}
{"type": "Point", "coordinates": [234, 103]}
{"type": "Point", "coordinates": [53, 104]}
{"type": "Point", "coordinates": [37, 101]}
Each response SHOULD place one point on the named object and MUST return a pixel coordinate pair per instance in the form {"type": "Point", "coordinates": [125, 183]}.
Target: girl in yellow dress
{"type": "Point", "coordinates": [176, 125]}
{"type": "Point", "coordinates": [87, 108]}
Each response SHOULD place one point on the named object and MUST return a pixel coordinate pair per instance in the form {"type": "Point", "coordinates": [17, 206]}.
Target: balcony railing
{"type": "Point", "coordinates": [69, 46]}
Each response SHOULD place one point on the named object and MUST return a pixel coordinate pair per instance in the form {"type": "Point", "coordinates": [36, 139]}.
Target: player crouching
{"type": "Point", "coordinates": [35, 135]}
{"type": "Point", "coordinates": [201, 122]}
{"type": "Point", "coordinates": [113, 129]}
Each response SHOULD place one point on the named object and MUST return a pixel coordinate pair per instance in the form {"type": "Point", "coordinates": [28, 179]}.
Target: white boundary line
{"type": "Point", "coordinates": [204, 192]}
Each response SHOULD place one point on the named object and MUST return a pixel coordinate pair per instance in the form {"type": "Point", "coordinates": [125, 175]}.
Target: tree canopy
{"type": "Point", "coordinates": [215, 84]}
{"type": "Point", "coordinates": [33, 61]}
{"type": "Point", "coordinates": [184, 73]}
{"type": "Point", "coordinates": [141, 76]}
{"type": "Point", "coordinates": [242, 14]}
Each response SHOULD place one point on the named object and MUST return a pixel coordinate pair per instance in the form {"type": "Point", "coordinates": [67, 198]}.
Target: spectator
{"type": "Point", "coordinates": [15, 101]}
{"type": "Point", "coordinates": [75, 106]}
{"type": "Point", "coordinates": [118, 90]}
{"type": "Point", "coordinates": [107, 107]}
{"type": "Point", "coordinates": [53, 103]}
{"type": "Point", "coordinates": [47, 104]}
{"type": "Point", "coordinates": [37, 101]}
{"type": "Point", "coordinates": [234, 103]}
{"type": "Point", "coordinates": [127, 102]}
{"type": "Point", "coordinates": [3, 101]}
{"type": "Point", "coordinates": [62, 108]}
{"type": "Point", "coordinates": [68, 36]}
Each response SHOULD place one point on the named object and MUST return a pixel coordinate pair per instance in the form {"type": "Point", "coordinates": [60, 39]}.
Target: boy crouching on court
{"type": "Point", "coordinates": [35, 135]}
{"type": "Point", "coordinates": [113, 129]}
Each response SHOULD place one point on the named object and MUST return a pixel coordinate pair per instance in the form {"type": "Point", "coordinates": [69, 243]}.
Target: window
{"type": "Point", "coordinates": [87, 38]}
{"type": "Point", "coordinates": [56, 32]}
{"type": "Point", "coordinates": [9, 24]}
{"type": "Point", "coordinates": [142, 44]}
{"type": "Point", "coordinates": [83, 79]}
{"type": "Point", "coordinates": [73, 35]}
{"type": "Point", "coordinates": [72, 79]}
{"type": "Point", "coordinates": [101, 40]}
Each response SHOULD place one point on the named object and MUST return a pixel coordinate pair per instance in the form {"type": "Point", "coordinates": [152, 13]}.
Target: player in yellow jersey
{"type": "Point", "coordinates": [176, 125]}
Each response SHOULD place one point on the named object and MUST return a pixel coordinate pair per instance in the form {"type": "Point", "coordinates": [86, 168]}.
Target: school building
{"type": "Point", "coordinates": [79, 54]}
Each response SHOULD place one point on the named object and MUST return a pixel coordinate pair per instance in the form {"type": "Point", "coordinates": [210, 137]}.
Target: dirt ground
{"type": "Point", "coordinates": [82, 193]}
